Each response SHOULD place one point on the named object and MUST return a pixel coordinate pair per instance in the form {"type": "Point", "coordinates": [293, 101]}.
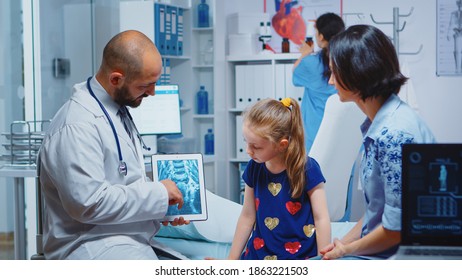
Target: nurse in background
{"type": "Point", "coordinates": [311, 70]}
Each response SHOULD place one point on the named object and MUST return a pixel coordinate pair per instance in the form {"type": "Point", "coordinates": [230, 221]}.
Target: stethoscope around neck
{"type": "Point", "coordinates": [122, 164]}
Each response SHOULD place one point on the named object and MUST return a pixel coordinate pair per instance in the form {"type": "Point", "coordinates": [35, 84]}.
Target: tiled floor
{"type": "Point", "coordinates": [6, 246]}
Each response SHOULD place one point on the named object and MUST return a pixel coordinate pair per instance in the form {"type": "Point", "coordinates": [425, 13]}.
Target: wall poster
{"type": "Point", "coordinates": [290, 19]}
{"type": "Point", "coordinates": [449, 38]}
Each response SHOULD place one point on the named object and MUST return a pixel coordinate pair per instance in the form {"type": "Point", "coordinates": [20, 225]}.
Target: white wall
{"type": "Point", "coordinates": [438, 98]}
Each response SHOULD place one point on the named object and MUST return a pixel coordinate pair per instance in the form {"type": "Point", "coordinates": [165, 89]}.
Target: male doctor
{"type": "Point", "coordinates": [98, 202]}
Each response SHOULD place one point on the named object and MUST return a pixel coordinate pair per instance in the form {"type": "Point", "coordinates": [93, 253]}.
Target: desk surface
{"type": "Point", "coordinates": [17, 172]}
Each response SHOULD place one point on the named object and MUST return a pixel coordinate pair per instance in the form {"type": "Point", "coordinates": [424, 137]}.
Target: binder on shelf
{"type": "Point", "coordinates": [167, 71]}
{"type": "Point", "coordinates": [243, 94]}
{"type": "Point", "coordinates": [240, 143]}
{"type": "Point", "coordinates": [168, 30]}
{"type": "Point", "coordinates": [159, 11]}
{"type": "Point", "coordinates": [265, 89]}
{"type": "Point", "coordinates": [291, 90]}
{"type": "Point", "coordinates": [174, 37]}
{"type": "Point", "coordinates": [165, 76]}
{"type": "Point", "coordinates": [280, 81]}
{"type": "Point", "coordinates": [180, 32]}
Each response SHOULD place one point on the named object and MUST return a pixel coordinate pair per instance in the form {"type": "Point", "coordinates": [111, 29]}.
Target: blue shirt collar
{"type": "Point", "coordinates": [372, 129]}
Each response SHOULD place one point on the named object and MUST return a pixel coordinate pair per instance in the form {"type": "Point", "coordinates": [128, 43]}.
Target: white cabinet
{"type": "Point", "coordinates": [190, 70]}
{"type": "Point", "coordinates": [249, 79]}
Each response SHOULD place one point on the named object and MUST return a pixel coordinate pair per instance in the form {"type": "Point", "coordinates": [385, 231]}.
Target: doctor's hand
{"type": "Point", "coordinates": [174, 194]}
{"type": "Point", "coordinates": [177, 222]}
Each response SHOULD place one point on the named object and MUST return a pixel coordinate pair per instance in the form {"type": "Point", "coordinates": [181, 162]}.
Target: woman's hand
{"type": "Point", "coordinates": [306, 49]}
{"type": "Point", "coordinates": [334, 250]}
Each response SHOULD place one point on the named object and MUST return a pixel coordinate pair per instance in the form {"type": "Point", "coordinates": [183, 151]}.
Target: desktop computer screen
{"type": "Point", "coordinates": [159, 114]}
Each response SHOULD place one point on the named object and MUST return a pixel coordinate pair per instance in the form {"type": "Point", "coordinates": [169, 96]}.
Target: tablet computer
{"type": "Point", "coordinates": [187, 171]}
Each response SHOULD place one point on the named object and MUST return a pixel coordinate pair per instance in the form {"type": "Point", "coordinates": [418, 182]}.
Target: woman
{"type": "Point", "coordinates": [365, 70]}
{"type": "Point", "coordinates": [311, 71]}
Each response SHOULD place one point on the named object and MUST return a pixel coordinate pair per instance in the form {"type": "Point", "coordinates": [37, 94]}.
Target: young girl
{"type": "Point", "coordinates": [285, 210]}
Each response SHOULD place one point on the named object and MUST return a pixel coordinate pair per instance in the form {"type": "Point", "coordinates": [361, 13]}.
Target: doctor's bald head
{"type": "Point", "coordinates": [128, 53]}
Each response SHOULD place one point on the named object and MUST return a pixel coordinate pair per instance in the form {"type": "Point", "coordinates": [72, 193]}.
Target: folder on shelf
{"type": "Point", "coordinates": [240, 143]}
{"type": "Point", "coordinates": [180, 32]}
{"type": "Point", "coordinates": [280, 81]}
{"type": "Point", "coordinates": [168, 30]}
{"type": "Point", "coordinates": [174, 37]}
{"type": "Point", "coordinates": [167, 71]}
{"type": "Point", "coordinates": [159, 11]}
{"type": "Point", "coordinates": [242, 94]}
{"type": "Point", "coordinates": [291, 90]}
{"type": "Point", "coordinates": [265, 88]}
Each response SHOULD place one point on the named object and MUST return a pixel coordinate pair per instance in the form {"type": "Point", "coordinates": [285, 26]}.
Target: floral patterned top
{"type": "Point", "coordinates": [380, 173]}
{"type": "Point", "coordinates": [284, 227]}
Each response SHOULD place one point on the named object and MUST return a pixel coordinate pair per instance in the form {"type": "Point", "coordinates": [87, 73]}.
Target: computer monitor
{"type": "Point", "coordinates": [159, 114]}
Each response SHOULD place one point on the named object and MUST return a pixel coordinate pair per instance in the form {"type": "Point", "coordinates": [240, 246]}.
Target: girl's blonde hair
{"type": "Point", "coordinates": [277, 120]}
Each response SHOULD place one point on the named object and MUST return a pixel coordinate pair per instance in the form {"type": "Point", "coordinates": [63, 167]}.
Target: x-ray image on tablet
{"type": "Point", "coordinates": [186, 170]}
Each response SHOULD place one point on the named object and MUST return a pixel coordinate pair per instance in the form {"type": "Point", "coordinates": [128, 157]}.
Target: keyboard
{"type": "Point", "coordinates": [434, 252]}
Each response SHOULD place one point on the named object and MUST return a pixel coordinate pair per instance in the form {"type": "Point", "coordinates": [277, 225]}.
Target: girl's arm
{"type": "Point", "coordinates": [318, 201]}
{"type": "Point", "coordinates": [244, 226]}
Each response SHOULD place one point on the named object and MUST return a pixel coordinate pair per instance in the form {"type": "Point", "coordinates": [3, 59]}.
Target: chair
{"type": "Point", "coordinates": [336, 149]}
{"type": "Point", "coordinates": [39, 237]}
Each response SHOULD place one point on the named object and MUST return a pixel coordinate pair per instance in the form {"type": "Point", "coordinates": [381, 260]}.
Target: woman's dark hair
{"type": "Point", "coordinates": [364, 60]}
{"type": "Point", "coordinates": [329, 25]}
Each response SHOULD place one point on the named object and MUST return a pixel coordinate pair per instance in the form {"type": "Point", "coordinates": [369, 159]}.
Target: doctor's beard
{"type": "Point", "coordinates": [122, 96]}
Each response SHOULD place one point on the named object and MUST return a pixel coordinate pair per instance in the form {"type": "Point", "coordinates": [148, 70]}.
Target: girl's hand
{"type": "Point", "coordinates": [334, 251]}
{"type": "Point", "coordinates": [327, 248]}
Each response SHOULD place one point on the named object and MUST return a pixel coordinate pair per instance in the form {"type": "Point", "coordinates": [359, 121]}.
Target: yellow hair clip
{"type": "Point", "coordinates": [286, 101]}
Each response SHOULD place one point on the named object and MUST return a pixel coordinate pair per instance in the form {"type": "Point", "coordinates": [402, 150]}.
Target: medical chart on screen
{"type": "Point", "coordinates": [159, 114]}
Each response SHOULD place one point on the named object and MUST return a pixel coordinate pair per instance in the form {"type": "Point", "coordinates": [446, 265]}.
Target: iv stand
{"type": "Point", "coordinates": [397, 29]}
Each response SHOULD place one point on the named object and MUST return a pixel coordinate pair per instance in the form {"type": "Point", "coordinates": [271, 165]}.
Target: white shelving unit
{"type": "Point", "coordinates": [276, 65]}
{"type": "Point", "coordinates": [189, 72]}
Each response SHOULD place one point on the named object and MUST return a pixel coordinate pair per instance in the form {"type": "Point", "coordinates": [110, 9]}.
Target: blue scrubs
{"type": "Point", "coordinates": [317, 90]}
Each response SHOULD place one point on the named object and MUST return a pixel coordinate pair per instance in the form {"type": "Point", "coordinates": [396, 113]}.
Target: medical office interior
{"type": "Point", "coordinates": [46, 46]}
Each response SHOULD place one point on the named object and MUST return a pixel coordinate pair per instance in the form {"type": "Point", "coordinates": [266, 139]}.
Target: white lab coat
{"type": "Point", "coordinates": [86, 199]}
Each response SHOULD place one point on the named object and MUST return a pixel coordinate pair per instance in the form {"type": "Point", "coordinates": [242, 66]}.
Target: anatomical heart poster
{"type": "Point", "coordinates": [291, 19]}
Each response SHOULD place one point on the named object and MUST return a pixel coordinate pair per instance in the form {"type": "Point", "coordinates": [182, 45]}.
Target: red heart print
{"type": "Point", "coordinates": [258, 243]}
{"type": "Point", "coordinates": [293, 207]}
{"type": "Point", "coordinates": [292, 247]}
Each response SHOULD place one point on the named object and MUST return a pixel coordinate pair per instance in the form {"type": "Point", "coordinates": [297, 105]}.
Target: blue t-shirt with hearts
{"type": "Point", "coordinates": [284, 227]}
